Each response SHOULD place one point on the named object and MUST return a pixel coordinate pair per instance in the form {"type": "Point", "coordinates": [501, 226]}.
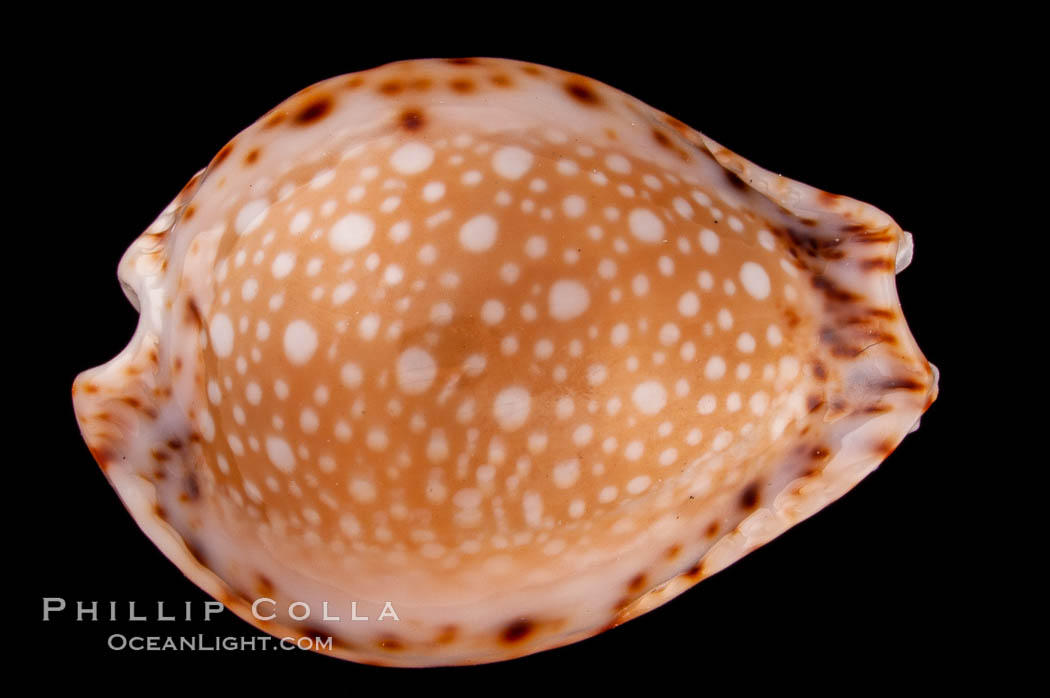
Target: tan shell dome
{"type": "Point", "coordinates": [496, 348]}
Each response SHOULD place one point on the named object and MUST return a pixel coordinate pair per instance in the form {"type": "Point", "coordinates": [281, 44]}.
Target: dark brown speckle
{"type": "Point", "coordinates": [314, 111]}
{"type": "Point", "coordinates": [412, 119]}
{"type": "Point", "coordinates": [517, 631]}
{"type": "Point", "coordinates": [749, 497]}
{"type": "Point", "coordinates": [582, 93]}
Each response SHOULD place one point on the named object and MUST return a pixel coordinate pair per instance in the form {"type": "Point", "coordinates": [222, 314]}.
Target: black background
{"type": "Point", "coordinates": [866, 588]}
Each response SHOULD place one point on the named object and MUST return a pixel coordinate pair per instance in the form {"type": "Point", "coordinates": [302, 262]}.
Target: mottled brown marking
{"type": "Point", "coordinates": [353, 82]}
{"type": "Point", "coordinates": [160, 512]}
{"type": "Point", "coordinates": [252, 157]}
{"type": "Point", "coordinates": [103, 455]}
{"type": "Point", "coordinates": [827, 198]}
{"type": "Point", "coordinates": [263, 585]}
{"type": "Point", "coordinates": [193, 488]}
{"type": "Point", "coordinates": [819, 371]}
{"type": "Point", "coordinates": [673, 551]}
{"type": "Point", "coordinates": [845, 351]}
{"type": "Point", "coordinates": [814, 403]}
{"type": "Point", "coordinates": [462, 61]}
{"type": "Point", "coordinates": [611, 134]}
{"type": "Point", "coordinates": [902, 384]}
{"type": "Point", "coordinates": [391, 87]}
{"type": "Point", "coordinates": [662, 138]}
{"type": "Point", "coordinates": [174, 444]}
{"type": "Point", "coordinates": [412, 119]}
{"type": "Point", "coordinates": [675, 123]}
{"type": "Point", "coordinates": [189, 213]}
{"type": "Point", "coordinates": [637, 583]}
{"type": "Point", "coordinates": [696, 571]}
{"type": "Point", "coordinates": [877, 409]}
{"type": "Point", "coordinates": [874, 237]}
{"type": "Point", "coordinates": [712, 530]}
{"type": "Point", "coordinates": [391, 643]}
{"type": "Point", "coordinates": [501, 80]}
{"type": "Point", "coordinates": [582, 93]}
{"type": "Point", "coordinates": [447, 635]}
{"type": "Point", "coordinates": [314, 111]}
{"type": "Point", "coordinates": [462, 85]}
{"type": "Point", "coordinates": [749, 497]}
{"type": "Point", "coordinates": [193, 313]}
{"type": "Point", "coordinates": [314, 633]}
{"type": "Point", "coordinates": [832, 291]}
{"type": "Point", "coordinates": [221, 156]}
{"type": "Point", "coordinates": [886, 447]}
{"type": "Point", "coordinates": [803, 242]}
{"type": "Point", "coordinates": [819, 453]}
{"type": "Point", "coordinates": [883, 338]}
{"type": "Point", "coordinates": [531, 70]}
{"type": "Point", "coordinates": [735, 181]}
{"type": "Point", "coordinates": [517, 631]}
{"type": "Point", "coordinates": [878, 264]}
{"type": "Point", "coordinates": [274, 119]}
{"type": "Point", "coordinates": [188, 187]}
{"type": "Point", "coordinates": [178, 364]}
{"type": "Point", "coordinates": [421, 84]}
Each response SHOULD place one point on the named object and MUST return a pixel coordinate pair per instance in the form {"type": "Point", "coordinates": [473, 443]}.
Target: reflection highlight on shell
{"type": "Point", "coordinates": [499, 345]}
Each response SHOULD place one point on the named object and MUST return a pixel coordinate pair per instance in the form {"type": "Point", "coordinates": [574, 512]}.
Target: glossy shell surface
{"type": "Point", "coordinates": [498, 345]}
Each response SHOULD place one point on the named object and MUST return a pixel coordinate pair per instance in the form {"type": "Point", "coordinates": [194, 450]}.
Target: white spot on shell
{"type": "Point", "coordinates": [574, 205]}
{"type": "Point", "coordinates": [566, 473]}
{"type": "Point", "coordinates": [351, 232]}
{"type": "Point", "coordinates": [567, 299]}
{"type": "Point", "coordinates": [689, 304]}
{"type": "Point", "coordinates": [221, 333]}
{"type": "Point", "coordinates": [282, 265]}
{"type": "Point", "coordinates": [251, 216]}
{"type": "Point", "coordinates": [709, 241]}
{"type": "Point", "coordinates": [416, 370]}
{"type": "Point", "coordinates": [755, 280]}
{"type": "Point", "coordinates": [511, 407]}
{"type": "Point", "coordinates": [511, 161]}
{"type": "Point", "coordinates": [645, 225]}
{"type": "Point", "coordinates": [715, 368]}
{"type": "Point", "coordinates": [492, 312]}
{"type": "Point", "coordinates": [479, 233]}
{"type": "Point", "coordinates": [412, 157]}
{"type": "Point", "coordinates": [649, 397]}
{"type": "Point", "coordinates": [300, 341]}
{"type": "Point", "coordinates": [638, 484]}
{"type": "Point", "coordinates": [351, 375]}
{"type": "Point", "coordinates": [280, 454]}
{"type": "Point", "coordinates": [363, 491]}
